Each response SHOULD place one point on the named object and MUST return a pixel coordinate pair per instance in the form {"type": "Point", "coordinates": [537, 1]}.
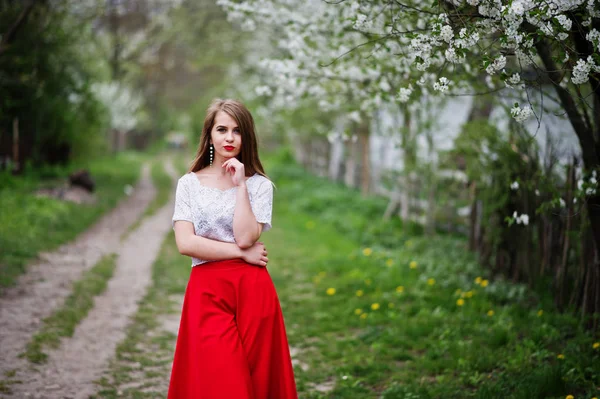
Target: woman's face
{"type": "Point", "coordinates": [225, 137]}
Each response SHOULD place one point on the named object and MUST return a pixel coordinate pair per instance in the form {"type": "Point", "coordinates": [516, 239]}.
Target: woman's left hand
{"type": "Point", "coordinates": [236, 171]}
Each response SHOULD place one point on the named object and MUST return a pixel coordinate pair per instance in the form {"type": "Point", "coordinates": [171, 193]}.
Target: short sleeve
{"type": "Point", "coordinates": [262, 203]}
{"type": "Point", "coordinates": [183, 209]}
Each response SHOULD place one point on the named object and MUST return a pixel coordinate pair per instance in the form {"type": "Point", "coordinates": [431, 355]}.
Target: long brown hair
{"type": "Point", "coordinates": [249, 153]}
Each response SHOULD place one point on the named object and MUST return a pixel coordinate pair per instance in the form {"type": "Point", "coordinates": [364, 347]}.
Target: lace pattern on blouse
{"type": "Point", "coordinates": [211, 209]}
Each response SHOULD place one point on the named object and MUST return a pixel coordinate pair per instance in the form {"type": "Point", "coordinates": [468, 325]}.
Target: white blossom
{"type": "Point", "coordinates": [441, 85]}
{"type": "Point", "coordinates": [446, 33]}
{"type": "Point", "coordinates": [594, 37]}
{"type": "Point", "coordinates": [562, 202]}
{"type": "Point", "coordinates": [404, 94]}
{"type": "Point", "coordinates": [521, 114]}
{"type": "Point", "coordinates": [581, 72]}
{"type": "Point", "coordinates": [514, 185]}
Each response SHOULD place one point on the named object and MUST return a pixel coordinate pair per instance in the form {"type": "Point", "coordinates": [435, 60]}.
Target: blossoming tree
{"type": "Point", "coordinates": [378, 51]}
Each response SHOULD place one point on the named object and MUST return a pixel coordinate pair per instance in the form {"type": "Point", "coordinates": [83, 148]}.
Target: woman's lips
{"type": "Point", "coordinates": [229, 148]}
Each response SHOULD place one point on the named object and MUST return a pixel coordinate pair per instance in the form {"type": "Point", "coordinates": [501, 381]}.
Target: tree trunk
{"type": "Point", "coordinates": [350, 164]}
{"type": "Point", "coordinates": [115, 59]}
{"type": "Point", "coordinates": [590, 148]}
{"type": "Point", "coordinates": [15, 149]}
{"type": "Point", "coordinates": [365, 158]}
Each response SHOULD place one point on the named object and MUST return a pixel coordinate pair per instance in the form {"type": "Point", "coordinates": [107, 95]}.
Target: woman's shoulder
{"type": "Point", "coordinates": [186, 175]}
{"type": "Point", "coordinates": [184, 179]}
{"type": "Point", "coordinates": [257, 179]}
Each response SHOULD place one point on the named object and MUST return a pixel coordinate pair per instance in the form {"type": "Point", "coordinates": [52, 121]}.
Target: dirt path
{"type": "Point", "coordinates": [72, 368]}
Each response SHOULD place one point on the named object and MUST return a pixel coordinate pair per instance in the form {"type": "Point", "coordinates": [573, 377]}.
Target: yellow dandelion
{"type": "Point", "coordinates": [484, 283]}
{"type": "Point", "coordinates": [460, 302]}
{"type": "Point", "coordinates": [478, 280]}
{"type": "Point", "coordinates": [490, 313]}
{"type": "Point", "coordinates": [469, 294]}
{"type": "Point", "coordinates": [391, 305]}
{"type": "Point", "coordinates": [540, 313]}
{"type": "Point", "coordinates": [408, 244]}
{"type": "Point", "coordinates": [367, 251]}
{"type": "Point", "coordinates": [310, 225]}
{"type": "Point", "coordinates": [358, 311]}
{"type": "Point", "coordinates": [413, 265]}
{"type": "Point", "coordinates": [316, 279]}
{"type": "Point", "coordinates": [596, 345]}
{"type": "Point", "coordinates": [431, 281]}
{"type": "Point", "coordinates": [570, 397]}
{"type": "Point", "coordinates": [400, 289]}
{"type": "Point", "coordinates": [322, 274]}
{"type": "Point", "coordinates": [363, 316]}
{"type": "Point", "coordinates": [330, 291]}
{"type": "Point", "coordinates": [368, 281]}
{"type": "Point", "coordinates": [458, 292]}
{"type": "Point", "coordinates": [389, 262]}
{"type": "Point", "coordinates": [360, 293]}
{"type": "Point", "coordinates": [375, 306]}
{"type": "Point", "coordinates": [560, 356]}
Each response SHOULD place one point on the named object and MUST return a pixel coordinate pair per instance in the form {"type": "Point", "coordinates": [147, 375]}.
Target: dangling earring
{"type": "Point", "coordinates": [211, 154]}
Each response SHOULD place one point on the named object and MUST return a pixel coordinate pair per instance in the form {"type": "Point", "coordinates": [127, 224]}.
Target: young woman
{"type": "Point", "coordinates": [232, 342]}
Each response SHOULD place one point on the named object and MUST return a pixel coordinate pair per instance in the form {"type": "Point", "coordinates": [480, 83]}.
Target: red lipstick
{"type": "Point", "coordinates": [229, 147]}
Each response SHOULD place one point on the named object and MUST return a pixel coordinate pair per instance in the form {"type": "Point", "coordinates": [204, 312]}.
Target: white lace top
{"type": "Point", "coordinates": [211, 209]}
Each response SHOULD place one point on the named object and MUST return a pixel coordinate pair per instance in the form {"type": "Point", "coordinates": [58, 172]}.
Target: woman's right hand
{"type": "Point", "coordinates": [256, 254]}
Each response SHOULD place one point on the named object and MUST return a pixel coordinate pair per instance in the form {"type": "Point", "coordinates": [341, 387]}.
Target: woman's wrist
{"type": "Point", "coordinates": [240, 252]}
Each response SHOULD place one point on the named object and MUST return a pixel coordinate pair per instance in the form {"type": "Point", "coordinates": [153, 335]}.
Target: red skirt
{"type": "Point", "coordinates": [232, 341]}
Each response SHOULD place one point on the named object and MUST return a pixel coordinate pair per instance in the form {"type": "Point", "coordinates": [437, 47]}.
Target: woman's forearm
{"type": "Point", "coordinates": [207, 249]}
{"type": "Point", "coordinates": [245, 228]}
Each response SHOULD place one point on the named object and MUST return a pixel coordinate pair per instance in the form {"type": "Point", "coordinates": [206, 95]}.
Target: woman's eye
{"type": "Point", "coordinates": [220, 129]}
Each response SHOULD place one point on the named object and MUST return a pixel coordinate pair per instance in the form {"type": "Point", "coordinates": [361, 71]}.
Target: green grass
{"type": "Point", "coordinates": [29, 224]}
{"type": "Point", "coordinates": [392, 331]}
{"type": "Point", "coordinates": [63, 321]}
{"type": "Point", "coordinates": [164, 187]}
{"type": "Point", "coordinates": [370, 338]}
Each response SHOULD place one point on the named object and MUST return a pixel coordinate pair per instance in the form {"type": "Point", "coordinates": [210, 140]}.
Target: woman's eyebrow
{"type": "Point", "coordinates": [218, 126]}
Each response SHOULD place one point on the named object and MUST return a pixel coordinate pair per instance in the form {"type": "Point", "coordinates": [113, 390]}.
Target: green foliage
{"type": "Point", "coordinates": [45, 78]}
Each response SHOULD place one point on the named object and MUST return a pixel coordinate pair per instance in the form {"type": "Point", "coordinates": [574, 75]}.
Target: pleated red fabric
{"type": "Point", "coordinates": [232, 341]}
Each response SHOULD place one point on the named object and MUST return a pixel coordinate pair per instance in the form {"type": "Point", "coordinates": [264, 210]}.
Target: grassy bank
{"type": "Point", "coordinates": [375, 310]}
{"type": "Point", "coordinates": [30, 224]}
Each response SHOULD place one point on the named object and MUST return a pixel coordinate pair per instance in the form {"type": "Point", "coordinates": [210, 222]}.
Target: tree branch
{"type": "Point", "coordinates": [12, 31]}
